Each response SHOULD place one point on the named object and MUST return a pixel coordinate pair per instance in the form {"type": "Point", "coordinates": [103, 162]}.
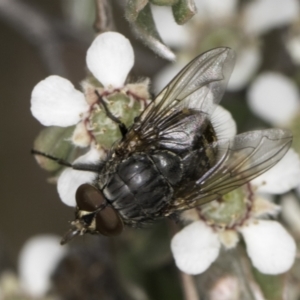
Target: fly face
{"type": "Point", "coordinates": [93, 215]}
{"type": "Point", "coordinates": [173, 157]}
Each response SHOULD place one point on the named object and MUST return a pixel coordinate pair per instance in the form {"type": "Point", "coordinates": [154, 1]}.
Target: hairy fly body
{"type": "Point", "coordinates": [171, 159]}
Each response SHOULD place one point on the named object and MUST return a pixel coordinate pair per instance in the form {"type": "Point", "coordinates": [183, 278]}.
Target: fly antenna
{"type": "Point", "coordinates": [80, 167]}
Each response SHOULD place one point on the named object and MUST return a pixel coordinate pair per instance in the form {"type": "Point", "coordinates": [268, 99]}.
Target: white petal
{"type": "Point", "coordinates": [110, 58]}
{"type": "Point", "coordinates": [223, 123]}
{"type": "Point", "coordinates": [81, 137]}
{"type": "Point", "coordinates": [293, 46]}
{"type": "Point", "coordinates": [55, 101]}
{"type": "Point", "coordinates": [274, 97]}
{"type": "Point", "coordinates": [215, 10]}
{"type": "Point", "coordinates": [70, 179]}
{"type": "Point", "coordinates": [38, 259]}
{"type": "Point", "coordinates": [291, 212]}
{"type": "Point", "coordinates": [263, 207]}
{"type": "Point", "coordinates": [284, 176]}
{"type": "Point", "coordinates": [270, 247]}
{"type": "Point", "coordinates": [263, 15]}
{"type": "Point", "coordinates": [195, 248]}
{"type": "Point", "coordinates": [172, 34]}
{"type": "Point", "coordinates": [247, 63]}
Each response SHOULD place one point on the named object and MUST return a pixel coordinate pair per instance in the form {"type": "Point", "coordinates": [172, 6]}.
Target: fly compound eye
{"type": "Point", "coordinates": [108, 222]}
{"type": "Point", "coordinates": [89, 198]}
{"type": "Point", "coordinates": [95, 213]}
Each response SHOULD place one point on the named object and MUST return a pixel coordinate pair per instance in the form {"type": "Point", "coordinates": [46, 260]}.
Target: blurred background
{"type": "Point", "coordinates": [40, 38]}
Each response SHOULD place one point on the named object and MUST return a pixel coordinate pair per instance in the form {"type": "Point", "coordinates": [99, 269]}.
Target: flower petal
{"type": "Point", "coordinates": [110, 58]}
{"type": "Point", "coordinates": [274, 98]}
{"type": "Point", "coordinates": [293, 46]}
{"type": "Point", "coordinates": [284, 176]}
{"type": "Point", "coordinates": [291, 212]}
{"type": "Point", "coordinates": [270, 247]}
{"type": "Point", "coordinates": [38, 259]}
{"type": "Point", "coordinates": [55, 102]}
{"type": "Point", "coordinates": [215, 10]}
{"type": "Point", "coordinates": [263, 15]}
{"type": "Point", "coordinates": [223, 123]}
{"type": "Point", "coordinates": [263, 207]}
{"type": "Point", "coordinates": [247, 63]}
{"type": "Point", "coordinates": [172, 34]}
{"type": "Point", "coordinates": [70, 179]}
{"type": "Point", "coordinates": [81, 137]}
{"type": "Point", "coordinates": [195, 248]}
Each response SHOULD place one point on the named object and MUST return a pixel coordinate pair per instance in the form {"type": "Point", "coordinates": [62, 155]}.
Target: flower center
{"type": "Point", "coordinates": [124, 106]}
{"type": "Point", "coordinates": [229, 211]}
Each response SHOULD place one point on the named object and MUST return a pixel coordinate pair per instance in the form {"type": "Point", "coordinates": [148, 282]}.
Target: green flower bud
{"type": "Point", "coordinates": [105, 131]}
{"type": "Point", "coordinates": [57, 142]}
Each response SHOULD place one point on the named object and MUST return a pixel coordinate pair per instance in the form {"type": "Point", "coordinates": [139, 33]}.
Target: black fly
{"type": "Point", "coordinates": [171, 159]}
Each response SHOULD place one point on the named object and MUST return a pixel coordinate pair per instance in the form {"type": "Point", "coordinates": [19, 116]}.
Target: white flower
{"type": "Point", "coordinates": [38, 259]}
{"type": "Point", "coordinates": [71, 179]}
{"type": "Point", "coordinates": [224, 18]}
{"type": "Point", "coordinates": [263, 15]}
{"type": "Point", "coordinates": [55, 101]}
{"type": "Point", "coordinates": [270, 247]}
{"type": "Point", "coordinates": [274, 98]}
{"type": "Point", "coordinates": [293, 47]}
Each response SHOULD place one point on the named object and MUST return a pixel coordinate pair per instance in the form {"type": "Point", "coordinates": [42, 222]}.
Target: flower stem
{"type": "Point", "coordinates": [104, 20]}
{"type": "Point", "coordinates": [189, 287]}
{"type": "Point", "coordinates": [242, 273]}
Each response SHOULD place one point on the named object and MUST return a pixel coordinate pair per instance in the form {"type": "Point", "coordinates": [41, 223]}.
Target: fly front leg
{"type": "Point", "coordinates": [122, 126]}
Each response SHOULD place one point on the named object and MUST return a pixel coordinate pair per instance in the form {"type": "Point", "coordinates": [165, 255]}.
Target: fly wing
{"type": "Point", "coordinates": [240, 160]}
{"type": "Point", "coordinates": [198, 87]}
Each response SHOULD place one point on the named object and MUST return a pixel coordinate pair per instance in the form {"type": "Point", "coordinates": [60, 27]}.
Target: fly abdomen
{"type": "Point", "coordinates": [139, 188]}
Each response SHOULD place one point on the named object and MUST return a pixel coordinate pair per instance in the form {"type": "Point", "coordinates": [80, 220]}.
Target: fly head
{"type": "Point", "coordinates": [93, 215]}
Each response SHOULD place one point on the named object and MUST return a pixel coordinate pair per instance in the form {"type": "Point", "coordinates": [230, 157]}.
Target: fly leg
{"type": "Point", "coordinates": [122, 126]}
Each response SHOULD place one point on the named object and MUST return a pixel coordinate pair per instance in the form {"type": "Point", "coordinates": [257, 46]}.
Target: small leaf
{"type": "Point", "coordinates": [145, 29]}
{"type": "Point", "coordinates": [164, 2]}
{"type": "Point", "coordinates": [183, 11]}
{"type": "Point", "coordinates": [133, 8]}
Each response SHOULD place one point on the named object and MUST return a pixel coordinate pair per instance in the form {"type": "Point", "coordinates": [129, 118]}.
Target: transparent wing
{"type": "Point", "coordinates": [199, 86]}
{"type": "Point", "coordinates": [240, 160]}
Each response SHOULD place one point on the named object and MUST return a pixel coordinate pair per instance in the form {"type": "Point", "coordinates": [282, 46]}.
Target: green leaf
{"type": "Point", "coordinates": [183, 11]}
{"type": "Point", "coordinates": [164, 2]}
{"type": "Point", "coordinates": [133, 8]}
{"type": "Point", "coordinates": [145, 29]}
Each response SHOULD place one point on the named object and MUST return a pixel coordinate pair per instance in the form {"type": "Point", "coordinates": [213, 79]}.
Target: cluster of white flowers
{"type": "Point", "coordinates": [272, 250]}
{"type": "Point", "coordinates": [226, 22]}
{"type": "Point", "coordinates": [272, 96]}
{"type": "Point", "coordinates": [270, 247]}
